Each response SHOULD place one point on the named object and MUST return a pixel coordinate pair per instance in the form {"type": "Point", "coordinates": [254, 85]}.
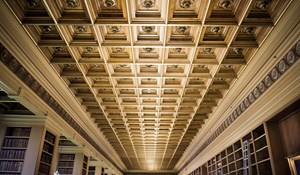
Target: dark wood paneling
{"type": "Point", "coordinates": [290, 130]}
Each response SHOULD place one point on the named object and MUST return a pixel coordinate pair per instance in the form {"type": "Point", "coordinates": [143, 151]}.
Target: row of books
{"type": "Point", "coordinates": [48, 148]}
{"type": "Point", "coordinates": [46, 158]}
{"type": "Point", "coordinates": [66, 156]}
{"type": "Point", "coordinates": [50, 137]}
{"type": "Point", "coordinates": [44, 169]}
{"type": "Point", "coordinates": [12, 142]}
{"type": "Point", "coordinates": [12, 154]}
{"type": "Point", "coordinates": [65, 170]}
{"type": "Point", "coordinates": [91, 170]}
{"type": "Point", "coordinates": [11, 166]}
{"type": "Point", "coordinates": [65, 164]}
{"type": "Point", "coordinates": [22, 132]}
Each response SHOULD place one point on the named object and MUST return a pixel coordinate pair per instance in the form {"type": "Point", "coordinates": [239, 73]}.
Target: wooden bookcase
{"type": "Point", "coordinates": [92, 170]}
{"type": "Point", "coordinates": [72, 161]}
{"type": "Point", "coordinates": [65, 163]}
{"type": "Point", "coordinates": [103, 171]}
{"type": "Point", "coordinates": [95, 166]}
{"type": "Point", "coordinates": [84, 165]}
{"type": "Point", "coordinates": [13, 150]}
{"type": "Point", "coordinates": [261, 157]}
{"type": "Point", "coordinates": [231, 160]}
{"type": "Point", "coordinates": [202, 170]}
{"type": "Point", "coordinates": [47, 154]}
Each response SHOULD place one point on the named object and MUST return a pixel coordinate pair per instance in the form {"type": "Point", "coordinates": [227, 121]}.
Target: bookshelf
{"type": "Point", "coordinates": [92, 170]}
{"type": "Point", "coordinates": [84, 165]}
{"type": "Point", "coordinates": [65, 163]}
{"type": "Point", "coordinates": [103, 171]}
{"type": "Point", "coordinates": [47, 154]}
{"type": "Point", "coordinates": [13, 150]}
{"type": "Point", "coordinates": [238, 159]}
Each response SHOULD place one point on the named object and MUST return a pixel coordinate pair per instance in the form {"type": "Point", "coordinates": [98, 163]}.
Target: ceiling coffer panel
{"type": "Point", "coordinates": [149, 73]}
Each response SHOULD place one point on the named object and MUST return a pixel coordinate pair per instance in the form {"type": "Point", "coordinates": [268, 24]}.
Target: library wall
{"type": "Point", "coordinates": [28, 150]}
{"type": "Point", "coordinates": [13, 150]}
{"type": "Point", "coordinates": [248, 155]}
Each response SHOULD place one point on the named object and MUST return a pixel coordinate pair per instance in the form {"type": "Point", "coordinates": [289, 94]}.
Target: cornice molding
{"type": "Point", "coordinates": [266, 57]}
{"type": "Point", "coordinates": [19, 120]}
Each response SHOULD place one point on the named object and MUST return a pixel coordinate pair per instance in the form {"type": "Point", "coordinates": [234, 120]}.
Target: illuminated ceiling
{"type": "Point", "coordinates": [149, 72]}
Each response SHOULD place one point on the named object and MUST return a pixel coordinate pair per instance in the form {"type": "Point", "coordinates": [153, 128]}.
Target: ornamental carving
{"type": "Point", "coordinates": [33, 3]}
{"type": "Point", "coordinates": [261, 87]}
{"type": "Point", "coordinates": [186, 3]}
{"type": "Point", "coordinates": [14, 65]}
{"type": "Point", "coordinates": [228, 66]}
{"type": "Point", "coordinates": [248, 30]}
{"type": "Point", "coordinates": [242, 107]}
{"type": "Point", "coordinates": [114, 29]}
{"type": "Point", "coordinates": [225, 4]}
{"type": "Point", "coordinates": [246, 102]}
{"type": "Point", "coordinates": [89, 49]}
{"type": "Point", "coordinates": [41, 91]}
{"type": "Point", "coordinates": [282, 66]}
{"type": "Point", "coordinates": [201, 66]}
{"type": "Point", "coordinates": [122, 65]}
{"type": "Point", "coordinates": [251, 97]}
{"type": "Point", "coordinates": [118, 49]}
{"type": "Point", "coordinates": [148, 49]}
{"type": "Point", "coordinates": [72, 3]}
{"type": "Point", "coordinates": [34, 86]}
{"type": "Point", "coordinates": [274, 74]}
{"type": "Point", "coordinates": [59, 49]}
{"type": "Point", "coordinates": [148, 3]}
{"type": "Point", "coordinates": [215, 30]}
{"type": "Point", "coordinates": [182, 29]}
{"type": "Point", "coordinates": [207, 50]}
{"type": "Point", "coordinates": [237, 50]}
{"type": "Point", "coordinates": [29, 80]}
{"type": "Point", "coordinates": [235, 114]}
{"type": "Point", "coordinates": [178, 50]}
{"type": "Point", "coordinates": [5, 56]}
{"type": "Point", "coordinates": [148, 29]}
{"type": "Point", "coordinates": [110, 3]}
{"type": "Point", "coordinates": [262, 4]}
{"type": "Point", "coordinates": [22, 73]}
{"type": "Point", "coordinates": [48, 29]}
{"type": "Point", "coordinates": [290, 58]}
{"type": "Point", "coordinates": [81, 29]}
{"type": "Point", "coordinates": [238, 111]}
{"type": "Point", "coordinates": [268, 81]}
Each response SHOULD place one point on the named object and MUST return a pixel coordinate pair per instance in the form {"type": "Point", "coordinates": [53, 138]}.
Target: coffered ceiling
{"type": "Point", "coordinates": [149, 73]}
